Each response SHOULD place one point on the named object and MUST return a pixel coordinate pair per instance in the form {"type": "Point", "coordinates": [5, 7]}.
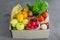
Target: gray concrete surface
{"type": "Point", "coordinates": [5, 10]}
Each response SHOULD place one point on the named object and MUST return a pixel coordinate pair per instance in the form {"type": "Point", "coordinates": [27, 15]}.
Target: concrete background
{"type": "Point", "coordinates": [5, 10]}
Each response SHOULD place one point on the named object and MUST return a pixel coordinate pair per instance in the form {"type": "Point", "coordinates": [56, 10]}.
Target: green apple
{"type": "Point", "coordinates": [20, 26]}
{"type": "Point", "coordinates": [25, 21]}
{"type": "Point", "coordinates": [14, 22]}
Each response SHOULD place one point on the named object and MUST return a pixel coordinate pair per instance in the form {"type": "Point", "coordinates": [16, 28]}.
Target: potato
{"type": "Point", "coordinates": [30, 13]}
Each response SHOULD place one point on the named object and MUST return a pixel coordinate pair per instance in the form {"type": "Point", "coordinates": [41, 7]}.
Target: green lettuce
{"type": "Point", "coordinates": [38, 7]}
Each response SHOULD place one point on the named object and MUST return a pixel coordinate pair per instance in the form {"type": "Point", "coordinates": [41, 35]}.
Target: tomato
{"type": "Point", "coordinates": [40, 18]}
{"type": "Point", "coordinates": [45, 14]}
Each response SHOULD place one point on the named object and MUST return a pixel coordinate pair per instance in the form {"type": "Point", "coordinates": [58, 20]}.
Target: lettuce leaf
{"type": "Point", "coordinates": [38, 7]}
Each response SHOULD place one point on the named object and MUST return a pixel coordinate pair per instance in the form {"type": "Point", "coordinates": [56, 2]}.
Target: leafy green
{"type": "Point", "coordinates": [38, 7]}
{"type": "Point", "coordinates": [44, 6]}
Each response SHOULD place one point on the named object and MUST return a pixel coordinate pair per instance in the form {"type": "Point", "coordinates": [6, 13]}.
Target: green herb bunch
{"type": "Point", "coordinates": [38, 7]}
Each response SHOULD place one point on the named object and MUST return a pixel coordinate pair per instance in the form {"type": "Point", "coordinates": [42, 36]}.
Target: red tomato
{"type": "Point", "coordinates": [40, 18]}
{"type": "Point", "coordinates": [45, 14]}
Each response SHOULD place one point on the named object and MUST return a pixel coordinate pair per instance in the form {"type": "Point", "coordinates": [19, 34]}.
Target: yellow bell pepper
{"type": "Point", "coordinates": [20, 17]}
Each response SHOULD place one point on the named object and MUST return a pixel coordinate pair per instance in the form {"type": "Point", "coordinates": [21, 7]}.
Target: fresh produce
{"type": "Point", "coordinates": [47, 24]}
{"type": "Point", "coordinates": [38, 7]}
{"type": "Point", "coordinates": [25, 14]}
{"type": "Point", "coordinates": [35, 19]}
{"type": "Point", "coordinates": [45, 14]}
{"type": "Point", "coordinates": [20, 26]}
{"type": "Point", "coordinates": [20, 17]}
{"type": "Point", "coordinates": [33, 24]}
{"type": "Point", "coordinates": [30, 14]}
{"type": "Point", "coordinates": [26, 9]}
{"type": "Point", "coordinates": [16, 10]}
{"type": "Point", "coordinates": [32, 17]}
{"type": "Point", "coordinates": [40, 18]}
{"type": "Point", "coordinates": [25, 21]}
{"type": "Point", "coordinates": [43, 26]}
{"type": "Point", "coordinates": [28, 25]}
{"type": "Point", "coordinates": [14, 22]}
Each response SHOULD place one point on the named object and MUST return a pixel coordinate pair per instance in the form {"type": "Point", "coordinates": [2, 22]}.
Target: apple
{"type": "Point", "coordinates": [20, 26]}
{"type": "Point", "coordinates": [14, 22]}
{"type": "Point", "coordinates": [43, 26]}
{"type": "Point", "coordinates": [25, 21]}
